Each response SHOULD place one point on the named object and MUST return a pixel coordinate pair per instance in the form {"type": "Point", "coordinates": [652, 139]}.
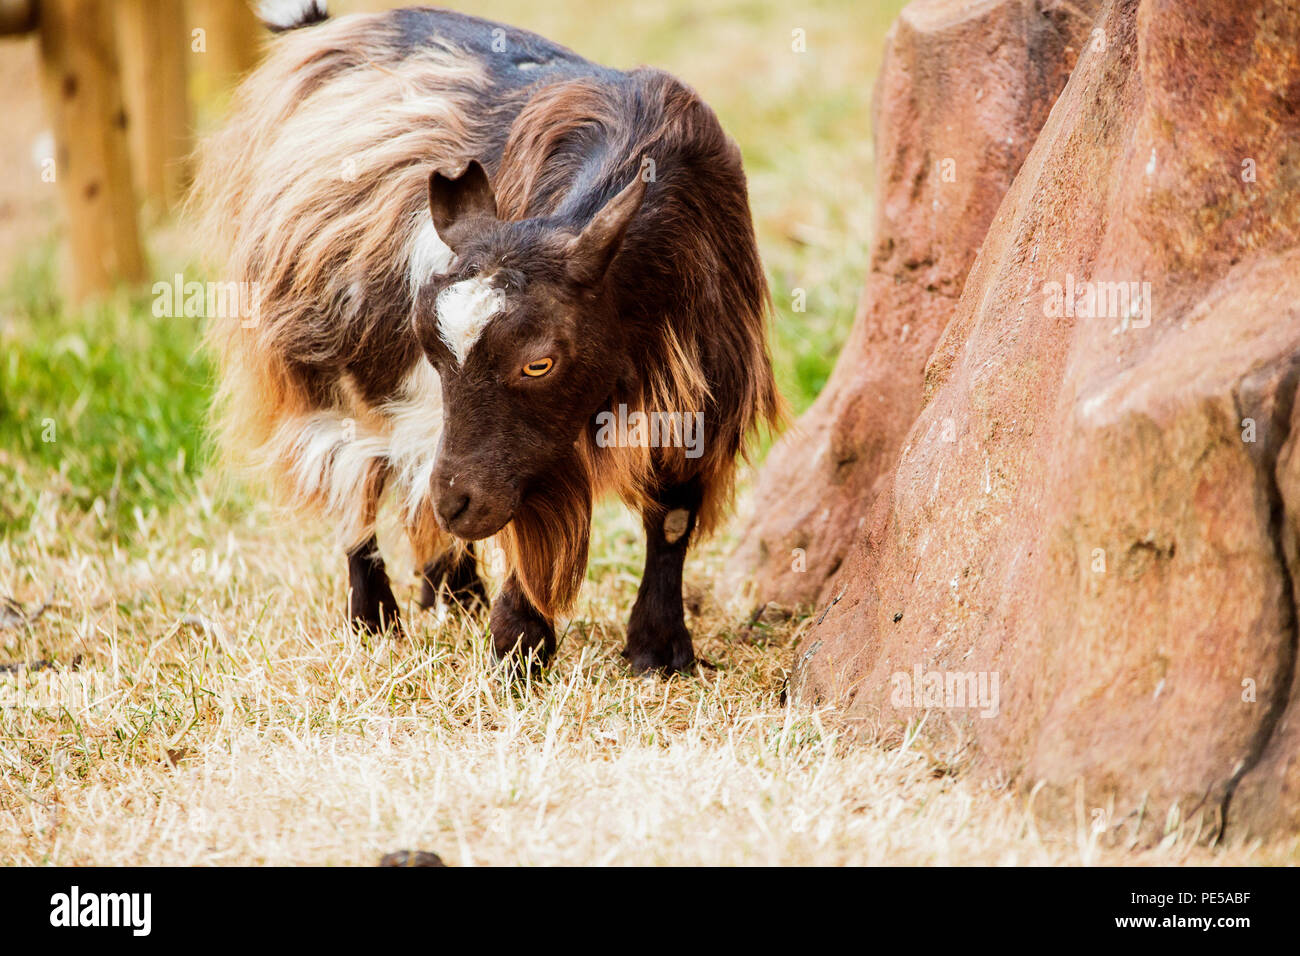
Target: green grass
{"type": "Point", "coordinates": [101, 408]}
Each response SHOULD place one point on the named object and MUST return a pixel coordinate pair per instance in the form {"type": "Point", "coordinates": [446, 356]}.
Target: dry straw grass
{"type": "Point", "coordinates": [221, 714]}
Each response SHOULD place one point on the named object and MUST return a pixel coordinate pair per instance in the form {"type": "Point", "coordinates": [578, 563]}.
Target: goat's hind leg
{"type": "Point", "coordinates": [371, 605]}
{"type": "Point", "coordinates": [454, 571]}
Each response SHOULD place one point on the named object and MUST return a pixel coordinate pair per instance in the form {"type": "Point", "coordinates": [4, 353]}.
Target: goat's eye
{"type": "Point", "coordinates": [538, 368]}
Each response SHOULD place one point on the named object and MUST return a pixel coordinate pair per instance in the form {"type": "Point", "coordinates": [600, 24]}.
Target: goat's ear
{"type": "Point", "coordinates": [467, 196]}
{"type": "Point", "coordinates": [590, 253]}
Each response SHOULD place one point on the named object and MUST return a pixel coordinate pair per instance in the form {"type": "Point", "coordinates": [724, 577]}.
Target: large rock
{"type": "Point", "coordinates": [1098, 505]}
{"type": "Point", "coordinates": [963, 91]}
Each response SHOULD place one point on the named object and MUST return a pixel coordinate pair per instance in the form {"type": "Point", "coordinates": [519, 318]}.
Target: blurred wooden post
{"type": "Point", "coordinates": [79, 75]}
{"type": "Point", "coordinates": [153, 41]}
{"type": "Point", "coordinates": [231, 41]}
{"type": "Point", "coordinates": [17, 16]}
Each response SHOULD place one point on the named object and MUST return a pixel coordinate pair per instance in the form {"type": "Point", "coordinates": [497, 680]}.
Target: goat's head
{"type": "Point", "coordinates": [524, 336]}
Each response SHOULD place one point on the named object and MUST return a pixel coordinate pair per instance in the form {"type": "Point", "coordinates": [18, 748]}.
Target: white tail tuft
{"type": "Point", "coordinates": [282, 15]}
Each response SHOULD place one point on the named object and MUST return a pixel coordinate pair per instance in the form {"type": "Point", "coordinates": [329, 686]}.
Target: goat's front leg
{"type": "Point", "coordinates": [371, 605]}
{"type": "Point", "coordinates": [657, 638]}
{"type": "Point", "coordinates": [518, 628]}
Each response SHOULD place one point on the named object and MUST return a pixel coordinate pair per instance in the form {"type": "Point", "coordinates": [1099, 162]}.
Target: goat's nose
{"type": "Point", "coordinates": [452, 503]}
{"type": "Point", "coordinates": [468, 507]}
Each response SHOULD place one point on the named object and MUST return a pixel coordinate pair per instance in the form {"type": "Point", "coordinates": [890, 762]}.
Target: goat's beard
{"type": "Point", "coordinates": [546, 541]}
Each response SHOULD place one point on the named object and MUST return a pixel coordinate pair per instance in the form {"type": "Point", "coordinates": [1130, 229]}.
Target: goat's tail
{"type": "Point", "coordinates": [280, 16]}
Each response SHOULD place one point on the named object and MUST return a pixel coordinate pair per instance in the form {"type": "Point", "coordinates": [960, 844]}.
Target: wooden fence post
{"type": "Point", "coordinates": [154, 45]}
{"type": "Point", "coordinates": [79, 75]}
{"type": "Point", "coordinates": [17, 16]}
{"type": "Point", "coordinates": [231, 42]}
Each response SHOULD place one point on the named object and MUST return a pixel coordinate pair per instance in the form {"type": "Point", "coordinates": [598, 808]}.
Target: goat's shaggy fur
{"type": "Point", "coordinates": [318, 185]}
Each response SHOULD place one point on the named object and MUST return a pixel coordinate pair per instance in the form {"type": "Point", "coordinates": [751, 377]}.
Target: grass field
{"type": "Point", "coordinates": [207, 705]}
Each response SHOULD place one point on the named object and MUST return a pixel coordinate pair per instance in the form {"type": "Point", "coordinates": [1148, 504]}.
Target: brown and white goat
{"type": "Point", "coordinates": [471, 247]}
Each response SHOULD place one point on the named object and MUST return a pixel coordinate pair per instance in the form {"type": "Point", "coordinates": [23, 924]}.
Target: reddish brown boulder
{"type": "Point", "coordinates": [963, 90]}
{"type": "Point", "coordinates": [1096, 512]}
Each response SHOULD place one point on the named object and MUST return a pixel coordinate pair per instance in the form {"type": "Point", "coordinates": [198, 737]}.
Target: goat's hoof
{"type": "Point", "coordinates": [521, 636]}
{"type": "Point", "coordinates": [376, 617]}
{"type": "Point", "coordinates": [673, 655]}
{"type": "Point", "coordinates": [378, 625]}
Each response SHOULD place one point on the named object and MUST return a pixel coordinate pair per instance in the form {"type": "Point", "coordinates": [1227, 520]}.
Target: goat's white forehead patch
{"type": "Point", "coordinates": [464, 310]}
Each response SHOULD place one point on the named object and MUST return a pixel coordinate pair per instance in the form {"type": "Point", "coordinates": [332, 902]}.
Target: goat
{"type": "Point", "coordinates": [472, 247]}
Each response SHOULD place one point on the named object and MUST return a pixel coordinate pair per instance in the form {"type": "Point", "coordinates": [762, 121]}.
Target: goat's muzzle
{"type": "Point", "coordinates": [470, 509]}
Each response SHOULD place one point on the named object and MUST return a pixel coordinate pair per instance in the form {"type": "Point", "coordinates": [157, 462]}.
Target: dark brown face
{"type": "Point", "coordinates": [524, 340]}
